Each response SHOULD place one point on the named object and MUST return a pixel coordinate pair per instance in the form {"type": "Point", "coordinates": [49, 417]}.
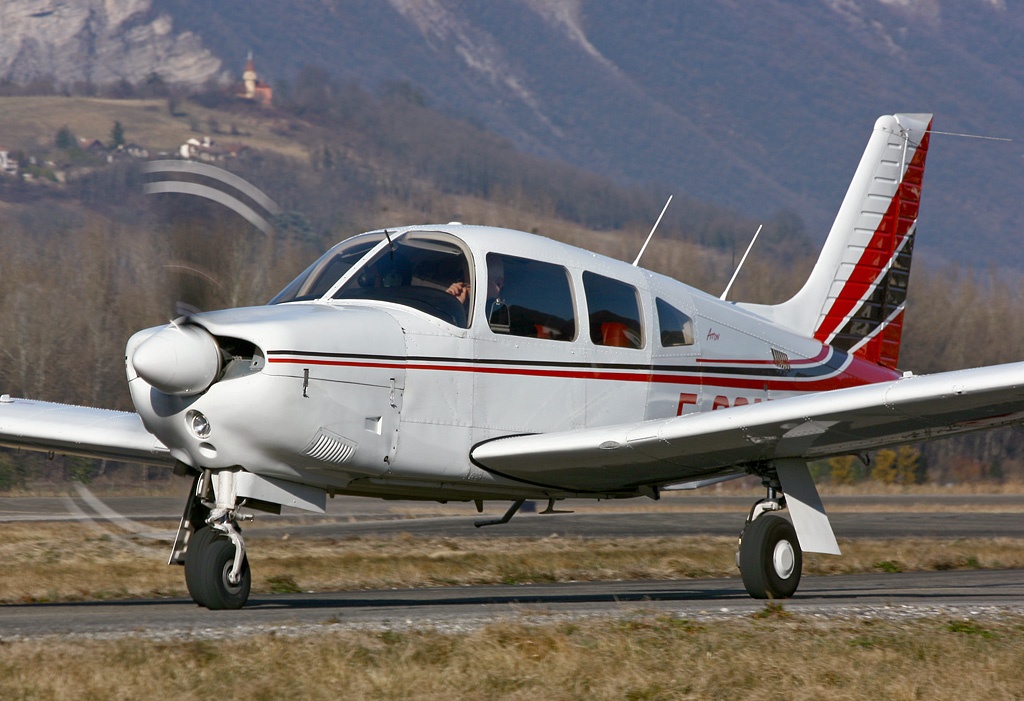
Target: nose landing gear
{"type": "Point", "coordinates": [213, 574]}
{"type": "Point", "coordinates": [210, 544]}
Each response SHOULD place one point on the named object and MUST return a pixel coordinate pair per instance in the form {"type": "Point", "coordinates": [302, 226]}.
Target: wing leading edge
{"type": "Point", "coordinates": [840, 422]}
{"type": "Point", "coordinates": [78, 430]}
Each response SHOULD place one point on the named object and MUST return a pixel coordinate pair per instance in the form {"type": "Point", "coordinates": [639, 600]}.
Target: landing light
{"type": "Point", "coordinates": [198, 424]}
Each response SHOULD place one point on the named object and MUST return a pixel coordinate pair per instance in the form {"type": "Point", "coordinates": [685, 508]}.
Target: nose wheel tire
{"type": "Point", "coordinates": [208, 562]}
{"type": "Point", "coordinates": [770, 558]}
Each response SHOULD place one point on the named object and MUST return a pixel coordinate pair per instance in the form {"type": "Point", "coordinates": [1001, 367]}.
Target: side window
{"type": "Point", "coordinates": [529, 298]}
{"type": "Point", "coordinates": [614, 312]}
{"type": "Point", "coordinates": [676, 327]}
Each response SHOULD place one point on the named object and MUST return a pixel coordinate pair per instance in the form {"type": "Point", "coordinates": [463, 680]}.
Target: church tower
{"type": "Point", "coordinates": [249, 79]}
{"type": "Point", "coordinates": [252, 87]}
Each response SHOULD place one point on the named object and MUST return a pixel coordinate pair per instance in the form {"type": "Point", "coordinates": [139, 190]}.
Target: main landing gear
{"type": "Point", "coordinates": [769, 557]}
{"type": "Point", "coordinates": [210, 545]}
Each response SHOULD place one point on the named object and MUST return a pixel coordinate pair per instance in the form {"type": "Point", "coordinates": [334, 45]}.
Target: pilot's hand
{"type": "Point", "coordinates": [459, 290]}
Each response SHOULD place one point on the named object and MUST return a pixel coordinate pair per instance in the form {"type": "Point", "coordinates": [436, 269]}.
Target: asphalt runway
{"type": "Point", "coordinates": [460, 608]}
{"type": "Point", "coordinates": [971, 593]}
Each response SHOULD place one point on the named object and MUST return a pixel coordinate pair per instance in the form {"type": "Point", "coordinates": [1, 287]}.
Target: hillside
{"type": "Point", "coordinates": [759, 106]}
{"type": "Point", "coordinates": [762, 107]}
{"type": "Point", "coordinates": [31, 123]}
{"type": "Point", "coordinates": [356, 160]}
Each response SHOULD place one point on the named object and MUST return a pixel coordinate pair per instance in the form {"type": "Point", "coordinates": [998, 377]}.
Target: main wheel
{"type": "Point", "coordinates": [770, 558]}
{"type": "Point", "coordinates": [207, 568]}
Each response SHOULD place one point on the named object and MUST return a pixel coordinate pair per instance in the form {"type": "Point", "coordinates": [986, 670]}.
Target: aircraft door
{"type": "Point", "coordinates": [529, 370]}
{"type": "Point", "coordinates": [618, 349]}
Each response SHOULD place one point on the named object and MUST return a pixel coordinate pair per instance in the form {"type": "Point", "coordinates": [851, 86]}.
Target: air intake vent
{"type": "Point", "coordinates": [328, 447]}
{"type": "Point", "coordinates": [781, 359]}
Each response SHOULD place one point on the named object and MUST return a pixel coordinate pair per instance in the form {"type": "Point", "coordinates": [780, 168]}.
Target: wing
{"type": "Point", "coordinates": [700, 446]}
{"type": "Point", "coordinates": [78, 430]}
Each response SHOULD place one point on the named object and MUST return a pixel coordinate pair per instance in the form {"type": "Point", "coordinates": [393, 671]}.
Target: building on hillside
{"type": "Point", "coordinates": [136, 151]}
{"type": "Point", "coordinates": [209, 151]}
{"type": "Point", "coordinates": [252, 88]}
{"type": "Point", "coordinates": [8, 164]}
{"type": "Point", "coordinates": [92, 145]}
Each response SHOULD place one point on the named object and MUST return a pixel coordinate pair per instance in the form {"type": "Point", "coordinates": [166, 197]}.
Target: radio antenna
{"type": "Point", "coordinates": [742, 260]}
{"type": "Point", "coordinates": [653, 229]}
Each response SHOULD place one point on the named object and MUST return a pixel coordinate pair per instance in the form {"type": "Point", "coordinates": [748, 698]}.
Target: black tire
{"type": "Point", "coordinates": [207, 578]}
{"type": "Point", "coordinates": [197, 542]}
{"type": "Point", "coordinates": [770, 558]}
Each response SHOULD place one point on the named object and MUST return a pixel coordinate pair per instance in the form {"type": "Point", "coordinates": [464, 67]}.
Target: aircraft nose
{"type": "Point", "coordinates": [178, 360]}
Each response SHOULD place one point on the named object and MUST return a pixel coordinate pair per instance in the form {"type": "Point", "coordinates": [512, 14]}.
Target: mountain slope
{"type": "Point", "coordinates": [761, 106]}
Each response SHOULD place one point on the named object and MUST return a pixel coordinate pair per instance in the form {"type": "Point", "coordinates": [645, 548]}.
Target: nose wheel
{"type": "Point", "coordinates": [770, 558]}
{"type": "Point", "coordinates": [210, 570]}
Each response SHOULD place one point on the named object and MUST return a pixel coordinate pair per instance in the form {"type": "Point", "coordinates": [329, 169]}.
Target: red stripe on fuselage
{"type": "Point", "coordinates": [856, 373]}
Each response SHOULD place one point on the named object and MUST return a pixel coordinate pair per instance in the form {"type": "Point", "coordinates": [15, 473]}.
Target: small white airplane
{"type": "Point", "coordinates": [467, 363]}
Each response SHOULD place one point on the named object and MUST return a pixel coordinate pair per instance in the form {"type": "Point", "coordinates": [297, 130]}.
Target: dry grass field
{"type": "Point", "coordinates": [632, 654]}
{"type": "Point", "coordinates": [637, 656]}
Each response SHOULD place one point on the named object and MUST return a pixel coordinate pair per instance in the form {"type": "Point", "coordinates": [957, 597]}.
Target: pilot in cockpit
{"type": "Point", "coordinates": [463, 292]}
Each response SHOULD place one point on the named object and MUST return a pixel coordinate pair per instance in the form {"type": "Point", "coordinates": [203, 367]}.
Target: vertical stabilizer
{"type": "Point", "coordinates": [855, 296]}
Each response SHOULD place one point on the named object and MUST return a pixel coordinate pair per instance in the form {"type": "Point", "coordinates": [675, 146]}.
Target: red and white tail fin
{"type": "Point", "coordinates": [855, 296]}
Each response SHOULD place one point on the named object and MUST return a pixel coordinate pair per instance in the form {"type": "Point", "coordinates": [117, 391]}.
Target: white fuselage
{"type": "Point", "coordinates": [375, 397]}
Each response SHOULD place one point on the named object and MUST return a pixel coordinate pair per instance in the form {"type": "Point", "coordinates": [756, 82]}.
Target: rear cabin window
{"type": "Point", "coordinates": [529, 298]}
{"type": "Point", "coordinates": [614, 312]}
{"type": "Point", "coordinates": [675, 326]}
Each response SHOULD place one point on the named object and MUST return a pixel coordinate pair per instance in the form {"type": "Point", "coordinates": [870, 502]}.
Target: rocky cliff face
{"type": "Point", "coordinates": [98, 41]}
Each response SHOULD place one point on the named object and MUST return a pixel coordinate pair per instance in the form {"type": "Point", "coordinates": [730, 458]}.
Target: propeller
{"type": "Point", "coordinates": [216, 222]}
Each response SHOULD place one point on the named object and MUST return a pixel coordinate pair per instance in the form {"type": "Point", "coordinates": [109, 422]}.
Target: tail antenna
{"type": "Point", "coordinates": [653, 229]}
{"type": "Point", "coordinates": [742, 261]}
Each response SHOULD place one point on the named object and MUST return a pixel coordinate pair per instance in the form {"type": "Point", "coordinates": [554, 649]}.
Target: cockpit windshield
{"type": "Point", "coordinates": [428, 271]}
{"type": "Point", "coordinates": [318, 279]}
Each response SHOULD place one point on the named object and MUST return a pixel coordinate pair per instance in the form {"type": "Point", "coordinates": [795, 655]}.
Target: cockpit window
{"type": "Point", "coordinates": [317, 280]}
{"type": "Point", "coordinates": [423, 270]}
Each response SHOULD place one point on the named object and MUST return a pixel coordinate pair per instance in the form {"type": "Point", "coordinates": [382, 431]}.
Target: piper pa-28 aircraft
{"type": "Point", "coordinates": [453, 362]}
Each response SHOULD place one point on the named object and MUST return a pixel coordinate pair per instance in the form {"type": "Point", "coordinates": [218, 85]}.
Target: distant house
{"type": "Point", "coordinates": [136, 151]}
{"type": "Point", "coordinates": [8, 165]}
{"type": "Point", "coordinates": [91, 145]}
{"type": "Point", "coordinates": [210, 151]}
